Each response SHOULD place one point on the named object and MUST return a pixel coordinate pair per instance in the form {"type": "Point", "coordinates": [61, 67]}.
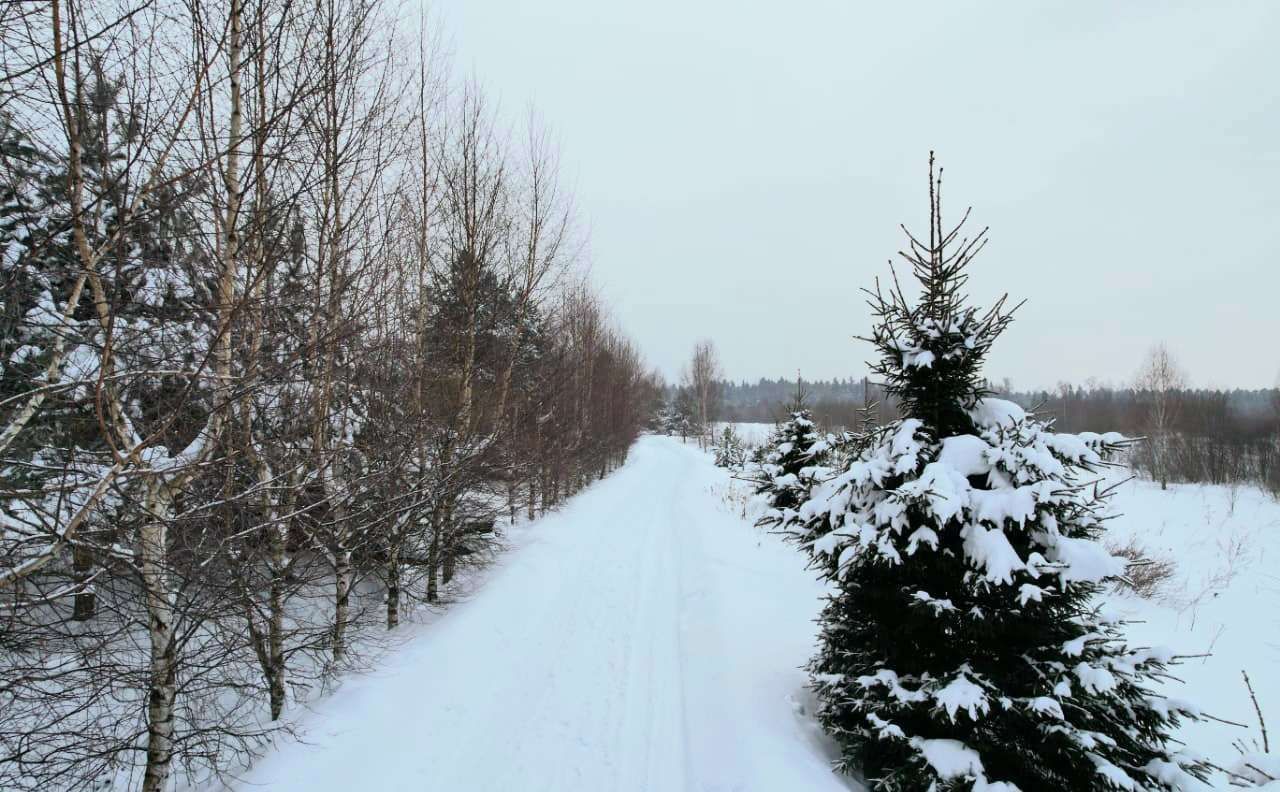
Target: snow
{"type": "Point", "coordinates": [950, 758]}
{"type": "Point", "coordinates": [1258, 767]}
{"type": "Point", "coordinates": [967, 454]}
{"type": "Point", "coordinates": [23, 353]}
{"type": "Point", "coordinates": [1117, 777]}
{"type": "Point", "coordinates": [947, 488]}
{"type": "Point", "coordinates": [1084, 560]}
{"type": "Point", "coordinates": [643, 638]}
{"type": "Point", "coordinates": [889, 679]}
{"type": "Point", "coordinates": [989, 550]}
{"type": "Point", "coordinates": [1094, 679]}
{"type": "Point", "coordinates": [1046, 705]}
{"type": "Point", "coordinates": [954, 759]}
{"type": "Point", "coordinates": [996, 506]}
{"type": "Point", "coordinates": [904, 447]}
{"type": "Point", "coordinates": [992, 413]}
{"type": "Point", "coordinates": [962, 694]}
{"type": "Point", "coordinates": [1223, 601]}
{"type": "Point", "coordinates": [752, 434]}
{"type": "Point", "coordinates": [647, 637]}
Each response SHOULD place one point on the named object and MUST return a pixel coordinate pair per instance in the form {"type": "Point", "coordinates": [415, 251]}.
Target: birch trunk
{"type": "Point", "coordinates": [342, 598]}
{"type": "Point", "coordinates": [153, 550]}
{"type": "Point", "coordinates": [393, 585]}
{"type": "Point", "coordinates": [433, 559]}
{"type": "Point", "coordinates": [275, 623]}
{"type": "Point", "coordinates": [447, 548]}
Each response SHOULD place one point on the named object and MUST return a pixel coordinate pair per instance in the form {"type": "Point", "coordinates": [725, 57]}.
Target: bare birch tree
{"type": "Point", "coordinates": [1160, 381]}
{"type": "Point", "coordinates": [702, 375]}
{"type": "Point", "coordinates": [278, 342]}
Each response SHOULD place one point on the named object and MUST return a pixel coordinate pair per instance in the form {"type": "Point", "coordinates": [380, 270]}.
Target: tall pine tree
{"type": "Point", "coordinates": [965, 648]}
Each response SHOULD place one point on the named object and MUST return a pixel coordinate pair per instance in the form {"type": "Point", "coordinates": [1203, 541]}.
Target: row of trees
{"type": "Point", "coordinates": [1193, 435]}
{"type": "Point", "coordinates": [1134, 407]}
{"type": "Point", "coordinates": [832, 402]}
{"type": "Point", "coordinates": [289, 323]}
{"type": "Point", "coordinates": [1205, 436]}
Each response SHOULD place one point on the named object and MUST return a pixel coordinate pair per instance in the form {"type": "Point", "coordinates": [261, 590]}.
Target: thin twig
{"type": "Point", "coordinates": [1262, 723]}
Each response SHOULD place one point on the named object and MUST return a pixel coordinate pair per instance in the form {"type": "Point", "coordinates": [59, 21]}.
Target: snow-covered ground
{"type": "Point", "coordinates": [752, 434]}
{"type": "Point", "coordinates": [1223, 599]}
{"type": "Point", "coordinates": [644, 638]}
{"type": "Point", "coordinates": [647, 637]}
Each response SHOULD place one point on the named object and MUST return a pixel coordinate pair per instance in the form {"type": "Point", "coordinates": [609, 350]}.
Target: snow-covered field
{"type": "Point", "coordinates": [647, 637]}
{"type": "Point", "coordinates": [1223, 599]}
{"type": "Point", "coordinates": [752, 434]}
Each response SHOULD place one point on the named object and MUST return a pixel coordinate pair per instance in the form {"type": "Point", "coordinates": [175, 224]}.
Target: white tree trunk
{"type": "Point", "coordinates": [341, 597]}
{"type": "Point", "coordinates": [153, 550]}
{"type": "Point", "coordinates": [277, 536]}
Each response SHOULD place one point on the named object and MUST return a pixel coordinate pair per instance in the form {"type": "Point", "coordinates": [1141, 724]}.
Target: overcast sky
{"type": "Point", "coordinates": [743, 168]}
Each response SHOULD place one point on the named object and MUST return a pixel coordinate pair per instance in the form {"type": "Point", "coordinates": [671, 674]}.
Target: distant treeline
{"type": "Point", "coordinates": [834, 402]}
{"type": "Point", "coordinates": [1212, 436]}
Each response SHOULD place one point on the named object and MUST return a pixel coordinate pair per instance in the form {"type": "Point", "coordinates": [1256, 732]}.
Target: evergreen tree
{"type": "Point", "coordinates": [659, 418]}
{"type": "Point", "coordinates": [32, 241]}
{"type": "Point", "coordinates": [685, 418]}
{"type": "Point", "coordinates": [157, 319]}
{"type": "Point", "coordinates": [791, 462]}
{"type": "Point", "coordinates": [34, 267]}
{"type": "Point", "coordinates": [665, 420]}
{"type": "Point", "coordinates": [965, 648]}
{"type": "Point", "coordinates": [728, 451]}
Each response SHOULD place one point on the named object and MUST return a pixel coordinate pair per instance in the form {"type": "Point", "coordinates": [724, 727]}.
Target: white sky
{"type": "Point", "coordinates": [743, 168]}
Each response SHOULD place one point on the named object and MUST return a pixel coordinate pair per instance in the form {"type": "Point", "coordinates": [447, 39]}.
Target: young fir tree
{"type": "Point", "coordinates": [667, 420]}
{"type": "Point", "coordinates": [965, 649]}
{"type": "Point", "coordinates": [792, 460]}
{"type": "Point", "coordinates": [728, 449]}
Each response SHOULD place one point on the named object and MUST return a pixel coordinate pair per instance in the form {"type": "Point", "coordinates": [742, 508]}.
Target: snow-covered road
{"type": "Point", "coordinates": [644, 638]}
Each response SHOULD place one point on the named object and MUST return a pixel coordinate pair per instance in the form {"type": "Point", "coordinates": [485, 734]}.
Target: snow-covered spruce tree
{"type": "Point", "coordinates": [728, 450]}
{"type": "Point", "coordinates": [786, 474]}
{"type": "Point", "coordinates": [791, 461]}
{"type": "Point", "coordinates": [666, 420]}
{"type": "Point", "coordinates": [964, 648]}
